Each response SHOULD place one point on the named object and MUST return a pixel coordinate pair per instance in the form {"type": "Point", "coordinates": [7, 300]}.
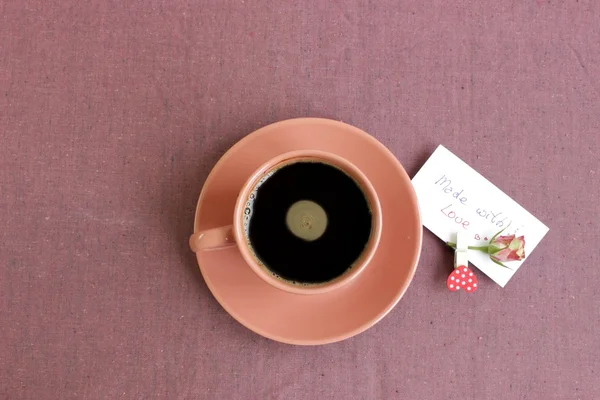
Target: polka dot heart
{"type": "Point", "coordinates": [462, 278]}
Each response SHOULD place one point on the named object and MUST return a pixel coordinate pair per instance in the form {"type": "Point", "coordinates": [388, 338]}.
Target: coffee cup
{"type": "Point", "coordinates": [305, 222]}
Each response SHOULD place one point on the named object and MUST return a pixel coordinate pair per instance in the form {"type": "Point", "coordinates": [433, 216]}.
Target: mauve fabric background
{"type": "Point", "coordinates": [112, 114]}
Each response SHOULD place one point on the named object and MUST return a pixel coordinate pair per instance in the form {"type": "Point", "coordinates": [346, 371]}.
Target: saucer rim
{"type": "Point", "coordinates": [390, 157]}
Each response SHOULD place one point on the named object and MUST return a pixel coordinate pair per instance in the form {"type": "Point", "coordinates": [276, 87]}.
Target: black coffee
{"type": "Point", "coordinates": [308, 222]}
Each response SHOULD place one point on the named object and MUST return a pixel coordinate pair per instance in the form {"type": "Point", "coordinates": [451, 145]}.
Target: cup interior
{"type": "Point", "coordinates": [243, 218]}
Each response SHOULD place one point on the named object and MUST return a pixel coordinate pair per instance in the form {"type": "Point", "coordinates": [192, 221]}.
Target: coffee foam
{"type": "Point", "coordinates": [249, 208]}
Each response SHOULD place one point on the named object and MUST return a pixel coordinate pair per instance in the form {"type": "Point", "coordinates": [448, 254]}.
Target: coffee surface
{"type": "Point", "coordinates": [308, 222]}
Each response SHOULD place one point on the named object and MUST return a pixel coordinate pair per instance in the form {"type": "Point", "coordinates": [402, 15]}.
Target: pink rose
{"type": "Point", "coordinates": [507, 248]}
{"type": "Point", "coordinates": [501, 248]}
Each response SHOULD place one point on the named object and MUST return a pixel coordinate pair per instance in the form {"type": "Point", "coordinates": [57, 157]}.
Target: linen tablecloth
{"type": "Point", "coordinates": [112, 114]}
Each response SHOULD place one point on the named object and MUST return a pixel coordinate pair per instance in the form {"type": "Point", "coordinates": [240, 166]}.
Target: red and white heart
{"type": "Point", "coordinates": [462, 278]}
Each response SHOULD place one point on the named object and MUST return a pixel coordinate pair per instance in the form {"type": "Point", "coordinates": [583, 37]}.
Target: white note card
{"type": "Point", "coordinates": [453, 197]}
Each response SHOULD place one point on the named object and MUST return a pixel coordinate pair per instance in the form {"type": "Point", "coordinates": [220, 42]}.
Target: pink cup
{"type": "Point", "coordinates": [233, 235]}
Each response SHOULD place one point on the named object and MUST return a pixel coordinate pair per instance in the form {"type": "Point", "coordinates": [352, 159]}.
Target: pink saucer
{"type": "Point", "coordinates": [319, 318]}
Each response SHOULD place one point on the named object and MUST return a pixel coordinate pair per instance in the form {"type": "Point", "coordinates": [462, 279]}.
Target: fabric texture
{"type": "Point", "coordinates": [112, 114]}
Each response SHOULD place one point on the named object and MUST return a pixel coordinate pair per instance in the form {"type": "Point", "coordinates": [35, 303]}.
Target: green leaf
{"type": "Point", "coordinates": [500, 264]}
{"type": "Point", "coordinates": [496, 235]}
{"type": "Point", "coordinates": [494, 249]}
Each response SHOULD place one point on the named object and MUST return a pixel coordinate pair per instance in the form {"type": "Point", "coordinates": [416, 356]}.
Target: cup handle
{"type": "Point", "coordinates": [212, 239]}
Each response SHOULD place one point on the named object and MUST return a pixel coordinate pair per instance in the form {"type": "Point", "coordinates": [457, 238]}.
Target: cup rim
{"type": "Point", "coordinates": [351, 170]}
